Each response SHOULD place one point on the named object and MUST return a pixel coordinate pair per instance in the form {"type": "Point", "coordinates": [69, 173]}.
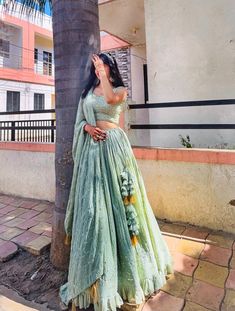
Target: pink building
{"type": "Point", "coordinates": [27, 64]}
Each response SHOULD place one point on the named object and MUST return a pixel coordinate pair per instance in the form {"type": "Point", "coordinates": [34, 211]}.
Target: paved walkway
{"type": "Point", "coordinates": [204, 269]}
{"type": "Point", "coordinates": [26, 223]}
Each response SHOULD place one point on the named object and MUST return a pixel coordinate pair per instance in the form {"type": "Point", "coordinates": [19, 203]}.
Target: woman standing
{"type": "Point", "coordinates": [118, 254]}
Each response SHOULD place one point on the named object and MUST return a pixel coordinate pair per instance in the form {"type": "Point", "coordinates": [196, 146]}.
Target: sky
{"type": "Point", "coordinates": [47, 8]}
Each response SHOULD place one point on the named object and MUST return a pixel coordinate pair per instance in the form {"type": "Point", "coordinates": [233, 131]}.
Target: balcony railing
{"type": "Point", "coordinates": [44, 68]}
{"type": "Point", "coordinates": [14, 61]}
{"type": "Point", "coordinates": [28, 130]}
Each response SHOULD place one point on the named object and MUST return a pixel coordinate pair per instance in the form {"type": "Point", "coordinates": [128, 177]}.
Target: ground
{"type": "Point", "coordinates": [16, 274]}
{"type": "Point", "coordinates": [204, 262]}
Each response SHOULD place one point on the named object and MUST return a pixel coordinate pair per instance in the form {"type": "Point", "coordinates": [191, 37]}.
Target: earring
{"type": "Point", "coordinates": [111, 79]}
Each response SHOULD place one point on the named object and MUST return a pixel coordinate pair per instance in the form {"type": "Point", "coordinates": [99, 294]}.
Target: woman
{"type": "Point", "coordinates": [118, 254]}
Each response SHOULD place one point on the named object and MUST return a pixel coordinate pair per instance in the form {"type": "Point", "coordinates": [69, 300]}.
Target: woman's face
{"type": "Point", "coordinates": [107, 70]}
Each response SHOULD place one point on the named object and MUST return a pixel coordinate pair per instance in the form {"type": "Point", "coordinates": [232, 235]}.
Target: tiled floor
{"type": "Point", "coordinates": [204, 271]}
{"type": "Point", "coordinates": [204, 260]}
{"type": "Point", "coordinates": [25, 223]}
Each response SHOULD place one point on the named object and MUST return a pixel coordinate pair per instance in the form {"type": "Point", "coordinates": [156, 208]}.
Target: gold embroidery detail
{"type": "Point", "coordinates": [67, 240]}
{"type": "Point", "coordinates": [94, 291]}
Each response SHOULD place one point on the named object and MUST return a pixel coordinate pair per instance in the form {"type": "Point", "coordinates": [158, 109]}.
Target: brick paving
{"type": "Point", "coordinates": [24, 223]}
{"type": "Point", "coordinates": [204, 260]}
{"type": "Point", "coordinates": [204, 271]}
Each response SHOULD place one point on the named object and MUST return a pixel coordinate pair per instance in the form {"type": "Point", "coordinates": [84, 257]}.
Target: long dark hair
{"type": "Point", "coordinates": [115, 75]}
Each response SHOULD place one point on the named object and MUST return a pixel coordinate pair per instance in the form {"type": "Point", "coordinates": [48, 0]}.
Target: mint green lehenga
{"type": "Point", "coordinates": [104, 262]}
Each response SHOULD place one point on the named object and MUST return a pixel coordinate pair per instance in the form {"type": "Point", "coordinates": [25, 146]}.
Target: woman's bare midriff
{"type": "Point", "coordinates": [105, 124]}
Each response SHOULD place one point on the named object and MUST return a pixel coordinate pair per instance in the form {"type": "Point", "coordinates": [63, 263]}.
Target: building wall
{"type": "Point", "coordinates": [138, 59]}
{"type": "Point", "coordinates": [130, 63]}
{"type": "Point", "coordinates": [24, 41]}
{"type": "Point", "coordinates": [190, 55]}
{"type": "Point", "coordinates": [18, 73]}
{"type": "Point", "coordinates": [43, 44]}
{"type": "Point", "coordinates": [122, 56]}
{"type": "Point", "coordinates": [45, 22]}
{"type": "Point", "coordinates": [14, 36]}
{"type": "Point", "coordinates": [27, 91]}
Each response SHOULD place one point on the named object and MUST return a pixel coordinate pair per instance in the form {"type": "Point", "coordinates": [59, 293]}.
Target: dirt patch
{"type": "Point", "coordinates": [16, 274]}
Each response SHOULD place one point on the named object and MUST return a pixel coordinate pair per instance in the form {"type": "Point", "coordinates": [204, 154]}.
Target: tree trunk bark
{"type": "Point", "coordinates": [76, 37]}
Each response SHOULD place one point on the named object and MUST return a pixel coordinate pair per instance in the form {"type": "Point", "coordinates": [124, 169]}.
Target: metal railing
{"type": "Point", "coordinates": [220, 102]}
{"type": "Point", "coordinates": [45, 130]}
{"type": "Point", "coordinates": [28, 130]}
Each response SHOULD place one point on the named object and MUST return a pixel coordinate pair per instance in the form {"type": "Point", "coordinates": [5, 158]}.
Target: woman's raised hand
{"type": "Point", "coordinates": [98, 63]}
{"type": "Point", "coordinates": [95, 132]}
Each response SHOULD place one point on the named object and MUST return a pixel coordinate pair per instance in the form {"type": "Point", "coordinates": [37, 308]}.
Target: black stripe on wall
{"type": "Point", "coordinates": [181, 126]}
{"type": "Point", "coordinates": [219, 102]}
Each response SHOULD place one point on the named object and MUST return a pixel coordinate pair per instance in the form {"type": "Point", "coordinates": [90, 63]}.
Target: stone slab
{"type": "Point", "coordinates": [177, 284]}
{"type": "Point", "coordinates": [7, 251]}
{"type": "Point", "coordinates": [173, 228]}
{"type": "Point", "coordinates": [216, 254]}
{"type": "Point", "coordinates": [190, 248]}
{"type": "Point", "coordinates": [11, 233]}
{"type": "Point", "coordinates": [229, 301]}
{"type": "Point", "coordinates": [222, 240]}
{"type": "Point", "coordinates": [24, 238]}
{"type": "Point", "coordinates": [230, 283]}
{"type": "Point", "coordinates": [41, 227]}
{"type": "Point", "coordinates": [14, 222]}
{"type": "Point", "coordinates": [184, 264]}
{"type": "Point", "coordinates": [164, 302]}
{"type": "Point", "coordinates": [211, 273]}
{"type": "Point", "coordinates": [37, 245]}
{"type": "Point", "coordinates": [205, 295]}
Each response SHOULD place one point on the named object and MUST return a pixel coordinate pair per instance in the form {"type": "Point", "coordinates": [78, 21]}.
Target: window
{"type": "Point", "coordinates": [39, 101]}
{"type": "Point", "coordinates": [4, 48]}
{"type": "Point", "coordinates": [13, 101]}
{"type": "Point", "coordinates": [47, 63]}
{"type": "Point", "coordinates": [35, 56]}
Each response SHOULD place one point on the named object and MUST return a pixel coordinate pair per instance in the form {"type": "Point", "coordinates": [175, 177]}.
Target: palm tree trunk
{"type": "Point", "coordinates": [76, 37]}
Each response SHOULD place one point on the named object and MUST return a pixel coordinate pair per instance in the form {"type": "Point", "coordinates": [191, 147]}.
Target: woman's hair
{"type": "Point", "coordinates": [93, 81]}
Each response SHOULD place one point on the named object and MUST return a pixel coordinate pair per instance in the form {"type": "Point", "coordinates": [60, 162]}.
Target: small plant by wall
{"type": "Point", "coordinates": [186, 141]}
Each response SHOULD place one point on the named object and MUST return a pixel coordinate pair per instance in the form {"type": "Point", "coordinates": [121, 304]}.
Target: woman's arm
{"type": "Point", "coordinates": [110, 96]}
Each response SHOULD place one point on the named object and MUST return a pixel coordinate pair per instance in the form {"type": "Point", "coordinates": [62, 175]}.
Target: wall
{"type": "Point", "coordinates": [138, 59]}
{"type": "Point", "coordinates": [190, 54]}
{"type": "Point", "coordinates": [27, 91]}
{"type": "Point", "coordinates": [43, 44]}
{"type": "Point", "coordinates": [14, 36]}
{"type": "Point", "coordinates": [192, 186]}
{"type": "Point", "coordinates": [27, 170]}
{"type": "Point", "coordinates": [26, 38]}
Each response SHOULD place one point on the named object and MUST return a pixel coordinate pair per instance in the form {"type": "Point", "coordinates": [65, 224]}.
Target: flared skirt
{"type": "Point", "coordinates": [101, 249]}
